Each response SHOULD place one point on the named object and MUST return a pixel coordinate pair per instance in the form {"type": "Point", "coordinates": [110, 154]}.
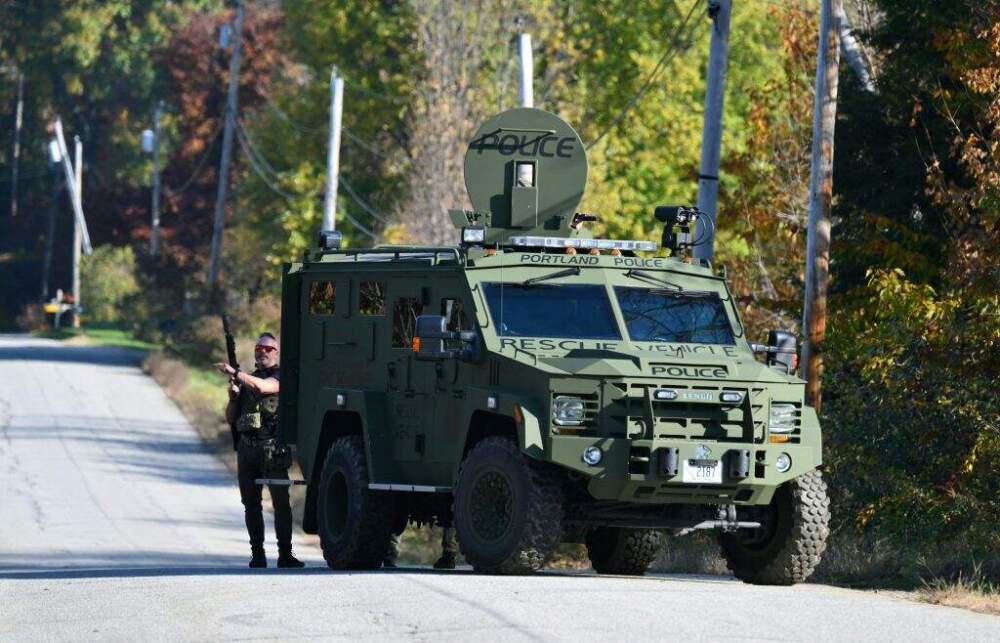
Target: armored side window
{"type": "Point", "coordinates": [404, 320]}
{"type": "Point", "coordinates": [322, 296]}
{"type": "Point", "coordinates": [372, 298]}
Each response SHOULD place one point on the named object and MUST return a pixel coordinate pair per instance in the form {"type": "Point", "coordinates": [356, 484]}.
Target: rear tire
{"type": "Point", "coordinates": [628, 552]}
{"type": "Point", "coordinates": [791, 540]}
{"type": "Point", "coordinates": [508, 509]}
{"type": "Point", "coordinates": [355, 523]}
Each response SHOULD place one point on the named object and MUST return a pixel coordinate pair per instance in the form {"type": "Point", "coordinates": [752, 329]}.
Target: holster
{"type": "Point", "coordinates": [277, 457]}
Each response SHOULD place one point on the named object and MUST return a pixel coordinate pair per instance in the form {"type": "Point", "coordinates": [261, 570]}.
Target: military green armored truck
{"type": "Point", "coordinates": [537, 386]}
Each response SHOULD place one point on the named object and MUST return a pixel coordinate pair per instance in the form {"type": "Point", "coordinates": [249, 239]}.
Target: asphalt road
{"type": "Point", "coordinates": [117, 524]}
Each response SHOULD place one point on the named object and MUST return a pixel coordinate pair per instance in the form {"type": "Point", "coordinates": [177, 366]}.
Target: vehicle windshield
{"type": "Point", "coordinates": [653, 315]}
{"type": "Point", "coordinates": [575, 311]}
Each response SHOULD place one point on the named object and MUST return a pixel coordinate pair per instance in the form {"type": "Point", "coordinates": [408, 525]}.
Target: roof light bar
{"type": "Point", "coordinates": [600, 244]}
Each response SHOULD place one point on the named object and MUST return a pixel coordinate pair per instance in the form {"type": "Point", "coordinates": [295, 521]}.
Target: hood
{"type": "Point", "coordinates": [611, 363]}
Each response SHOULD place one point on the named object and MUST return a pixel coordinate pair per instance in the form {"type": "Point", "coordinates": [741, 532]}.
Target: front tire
{"type": "Point", "coordinates": [508, 509]}
{"type": "Point", "coordinates": [791, 540]}
{"type": "Point", "coordinates": [355, 523]}
{"type": "Point", "coordinates": [628, 552]}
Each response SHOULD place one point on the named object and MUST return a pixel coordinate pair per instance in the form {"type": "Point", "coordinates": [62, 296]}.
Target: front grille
{"type": "Point", "coordinates": [629, 416]}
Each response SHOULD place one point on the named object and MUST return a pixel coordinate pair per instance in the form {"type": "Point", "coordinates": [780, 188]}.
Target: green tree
{"type": "Point", "coordinates": [913, 349]}
{"type": "Point", "coordinates": [107, 280]}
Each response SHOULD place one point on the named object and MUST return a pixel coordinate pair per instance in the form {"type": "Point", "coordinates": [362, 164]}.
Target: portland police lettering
{"type": "Point", "coordinates": [636, 262]}
{"type": "Point", "coordinates": [579, 260]}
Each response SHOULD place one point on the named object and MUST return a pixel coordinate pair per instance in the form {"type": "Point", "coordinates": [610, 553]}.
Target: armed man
{"type": "Point", "coordinates": [253, 411]}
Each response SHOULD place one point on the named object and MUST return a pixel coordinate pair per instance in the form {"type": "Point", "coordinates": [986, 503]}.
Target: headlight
{"type": "Point", "coordinates": [783, 418]}
{"type": "Point", "coordinates": [567, 411]}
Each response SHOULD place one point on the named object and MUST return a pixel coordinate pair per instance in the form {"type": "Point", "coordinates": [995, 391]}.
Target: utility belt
{"type": "Point", "coordinates": [277, 457]}
{"type": "Point", "coordinates": [256, 440]}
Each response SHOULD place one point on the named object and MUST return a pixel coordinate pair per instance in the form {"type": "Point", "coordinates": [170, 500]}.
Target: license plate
{"type": "Point", "coordinates": [702, 472]}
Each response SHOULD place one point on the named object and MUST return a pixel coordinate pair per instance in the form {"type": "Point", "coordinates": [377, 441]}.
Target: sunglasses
{"type": "Point", "coordinates": [261, 348]}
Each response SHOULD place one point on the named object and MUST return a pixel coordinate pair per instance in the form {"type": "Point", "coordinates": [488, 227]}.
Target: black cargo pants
{"type": "Point", "coordinates": [250, 465]}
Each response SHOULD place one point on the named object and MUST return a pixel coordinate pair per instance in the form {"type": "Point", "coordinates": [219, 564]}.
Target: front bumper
{"type": "Point", "coordinates": [631, 469]}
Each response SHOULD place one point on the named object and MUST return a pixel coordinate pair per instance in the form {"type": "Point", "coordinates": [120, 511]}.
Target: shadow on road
{"type": "Point", "coordinates": [145, 447]}
{"type": "Point", "coordinates": [102, 355]}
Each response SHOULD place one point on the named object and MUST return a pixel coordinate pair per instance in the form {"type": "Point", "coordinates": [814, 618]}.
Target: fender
{"type": "Point", "coordinates": [811, 434]}
{"type": "Point", "coordinates": [525, 413]}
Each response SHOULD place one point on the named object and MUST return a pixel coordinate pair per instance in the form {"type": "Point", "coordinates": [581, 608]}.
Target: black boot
{"type": "Point", "coordinates": [392, 554]}
{"type": "Point", "coordinates": [447, 561]}
{"type": "Point", "coordinates": [287, 561]}
{"type": "Point", "coordinates": [257, 558]}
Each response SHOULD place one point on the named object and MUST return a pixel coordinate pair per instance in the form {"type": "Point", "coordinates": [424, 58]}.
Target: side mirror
{"type": "Point", "coordinates": [782, 350]}
{"type": "Point", "coordinates": [429, 341]}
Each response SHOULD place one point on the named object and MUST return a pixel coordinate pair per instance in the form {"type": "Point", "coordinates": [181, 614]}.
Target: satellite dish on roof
{"type": "Point", "coordinates": [525, 171]}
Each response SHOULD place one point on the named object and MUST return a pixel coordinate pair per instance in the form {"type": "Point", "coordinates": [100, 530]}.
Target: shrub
{"type": "Point", "coordinates": [107, 278]}
{"type": "Point", "coordinates": [910, 418]}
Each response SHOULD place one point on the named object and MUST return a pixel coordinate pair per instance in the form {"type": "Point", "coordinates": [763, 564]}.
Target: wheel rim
{"type": "Point", "coordinates": [336, 505]}
{"type": "Point", "coordinates": [490, 505]}
{"type": "Point", "coordinates": [762, 537]}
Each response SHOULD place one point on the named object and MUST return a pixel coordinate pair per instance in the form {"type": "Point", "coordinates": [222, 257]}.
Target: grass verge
{"type": "Point", "coordinates": [972, 592]}
{"type": "Point", "coordinates": [97, 337]}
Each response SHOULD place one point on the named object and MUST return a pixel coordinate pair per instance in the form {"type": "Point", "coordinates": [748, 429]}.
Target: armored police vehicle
{"type": "Point", "coordinates": [537, 385]}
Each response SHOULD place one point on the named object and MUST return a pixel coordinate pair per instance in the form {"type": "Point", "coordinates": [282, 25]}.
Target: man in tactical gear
{"type": "Point", "coordinates": [449, 546]}
{"type": "Point", "coordinates": [253, 410]}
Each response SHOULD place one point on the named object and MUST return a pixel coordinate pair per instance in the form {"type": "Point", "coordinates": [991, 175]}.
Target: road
{"type": "Point", "coordinates": [118, 524]}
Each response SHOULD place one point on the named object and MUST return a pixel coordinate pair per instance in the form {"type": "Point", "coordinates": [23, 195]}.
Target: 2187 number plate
{"type": "Point", "coordinates": [702, 472]}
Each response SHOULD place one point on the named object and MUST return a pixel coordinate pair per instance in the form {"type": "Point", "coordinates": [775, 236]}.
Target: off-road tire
{"type": "Point", "coordinates": [500, 491]}
{"type": "Point", "coordinates": [355, 523]}
{"type": "Point", "coordinates": [790, 543]}
{"type": "Point", "coordinates": [628, 552]}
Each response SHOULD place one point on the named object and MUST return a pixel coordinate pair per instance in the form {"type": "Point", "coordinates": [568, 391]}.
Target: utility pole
{"type": "Point", "coordinates": [333, 152]}
{"type": "Point", "coordinates": [852, 51]}
{"type": "Point", "coordinates": [77, 236]}
{"type": "Point", "coordinates": [527, 71]}
{"type": "Point", "coordinates": [154, 229]}
{"type": "Point", "coordinates": [820, 198]}
{"type": "Point", "coordinates": [219, 220]}
{"type": "Point", "coordinates": [711, 139]}
{"type": "Point", "coordinates": [71, 184]}
{"type": "Point", "coordinates": [53, 206]}
{"type": "Point", "coordinates": [18, 121]}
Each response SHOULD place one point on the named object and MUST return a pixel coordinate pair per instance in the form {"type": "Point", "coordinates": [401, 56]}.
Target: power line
{"type": "Point", "coordinates": [199, 167]}
{"type": "Point", "coordinates": [259, 156]}
{"type": "Point", "coordinates": [361, 202]}
{"type": "Point", "coordinates": [354, 138]}
{"type": "Point", "coordinates": [357, 224]}
{"type": "Point", "coordinates": [257, 168]}
{"type": "Point", "coordinates": [262, 174]}
{"type": "Point", "coordinates": [283, 115]}
{"type": "Point", "coordinates": [667, 56]}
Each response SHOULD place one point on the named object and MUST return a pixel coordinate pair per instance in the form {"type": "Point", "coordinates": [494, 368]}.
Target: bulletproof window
{"type": "Point", "coordinates": [322, 297]}
{"type": "Point", "coordinates": [454, 311]}
{"type": "Point", "coordinates": [404, 320]}
{"type": "Point", "coordinates": [573, 311]}
{"type": "Point", "coordinates": [372, 298]}
{"type": "Point", "coordinates": [661, 315]}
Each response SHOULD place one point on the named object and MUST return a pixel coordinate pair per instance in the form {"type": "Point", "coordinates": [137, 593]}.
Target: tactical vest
{"type": "Point", "coordinates": [258, 413]}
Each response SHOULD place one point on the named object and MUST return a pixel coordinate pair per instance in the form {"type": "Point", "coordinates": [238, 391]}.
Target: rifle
{"type": "Point", "coordinates": [231, 355]}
